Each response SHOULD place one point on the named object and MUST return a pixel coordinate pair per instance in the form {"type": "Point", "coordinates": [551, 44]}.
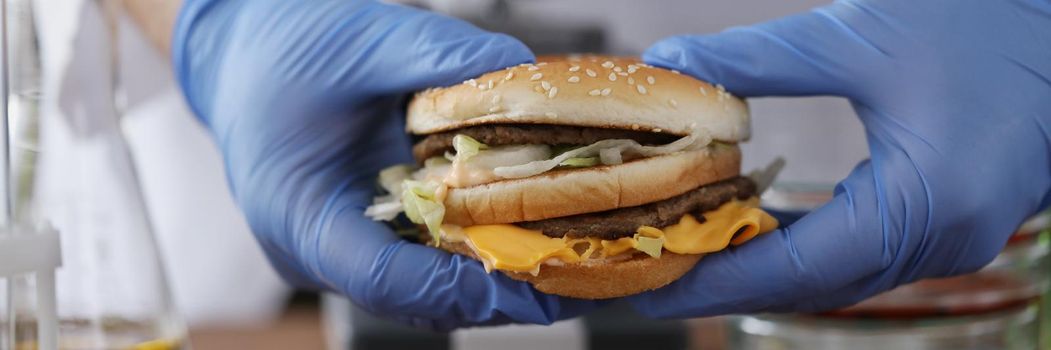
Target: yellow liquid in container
{"type": "Point", "coordinates": [110, 335]}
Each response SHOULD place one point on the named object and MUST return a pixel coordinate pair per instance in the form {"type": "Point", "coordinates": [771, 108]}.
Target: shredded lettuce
{"type": "Point", "coordinates": [611, 156]}
{"type": "Point", "coordinates": [609, 152]}
{"type": "Point", "coordinates": [384, 208]}
{"type": "Point", "coordinates": [580, 162]}
{"type": "Point", "coordinates": [479, 168]}
{"type": "Point", "coordinates": [436, 161]}
{"type": "Point", "coordinates": [390, 178]}
{"type": "Point", "coordinates": [649, 245]}
{"type": "Point", "coordinates": [387, 207]}
{"type": "Point", "coordinates": [509, 155]}
{"type": "Point", "coordinates": [466, 146]}
{"type": "Point", "coordinates": [649, 240]}
{"type": "Point", "coordinates": [421, 205]}
{"type": "Point", "coordinates": [434, 169]}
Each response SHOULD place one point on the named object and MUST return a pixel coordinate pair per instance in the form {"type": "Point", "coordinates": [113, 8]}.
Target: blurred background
{"type": "Point", "coordinates": [224, 295]}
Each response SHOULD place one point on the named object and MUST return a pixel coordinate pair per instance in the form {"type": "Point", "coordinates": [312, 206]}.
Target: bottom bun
{"type": "Point", "coordinates": [598, 279]}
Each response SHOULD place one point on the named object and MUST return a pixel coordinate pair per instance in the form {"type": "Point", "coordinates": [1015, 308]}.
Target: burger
{"type": "Point", "coordinates": [588, 176]}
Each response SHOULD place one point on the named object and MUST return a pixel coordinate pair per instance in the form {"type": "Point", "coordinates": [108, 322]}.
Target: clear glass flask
{"type": "Point", "coordinates": [70, 169]}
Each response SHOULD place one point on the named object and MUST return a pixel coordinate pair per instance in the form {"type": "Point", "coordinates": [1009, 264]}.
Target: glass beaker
{"type": "Point", "coordinates": [71, 169]}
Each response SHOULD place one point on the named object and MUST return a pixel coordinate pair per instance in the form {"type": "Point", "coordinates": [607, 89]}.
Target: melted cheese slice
{"type": "Point", "coordinates": [512, 248]}
{"type": "Point", "coordinates": [718, 229]}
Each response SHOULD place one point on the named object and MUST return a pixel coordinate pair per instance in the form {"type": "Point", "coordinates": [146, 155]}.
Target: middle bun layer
{"type": "Point", "coordinates": [559, 193]}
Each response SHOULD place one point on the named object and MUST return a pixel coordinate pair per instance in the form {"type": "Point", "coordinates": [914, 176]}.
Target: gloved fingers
{"type": "Point", "coordinates": [337, 53]}
{"type": "Point", "coordinates": [425, 49]}
{"type": "Point", "coordinates": [832, 247]}
{"type": "Point", "coordinates": [288, 267]}
{"type": "Point", "coordinates": [392, 49]}
{"type": "Point", "coordinates": [812, 53]}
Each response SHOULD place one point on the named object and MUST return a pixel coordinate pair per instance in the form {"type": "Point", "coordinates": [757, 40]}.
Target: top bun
{"type": "Point", "coordinates": [592, 91]}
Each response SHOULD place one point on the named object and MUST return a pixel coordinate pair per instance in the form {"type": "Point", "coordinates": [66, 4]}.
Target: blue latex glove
{"type": "Point", "coordinates": [305, 99]}
{"type": "Point", "coordinates": [955, 97]}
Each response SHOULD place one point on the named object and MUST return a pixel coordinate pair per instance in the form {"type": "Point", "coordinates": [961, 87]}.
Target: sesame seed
{"type": "Point", "coordinates": [551, 115]}
{"type": "Point", "coordinates": [606, 91]}
{"type": "Point", "coordinates": [574, 68]}
{"type": "Point", "coordinates": [510, 74]}
{"type": "Point", "coordinates": [622, 74]}
{"type": "Point", "coordinates": [657, 130]}
{"type": "Point", "coordinates": [673, 103]}
{"type": "Point", "coordinates": [532, 68]}
{"type": "Point", "coordinates": [631, 81]}
{"type": "Point", "coordinates": [496, 98]}
{"type": "Point", "coordinates": [472, 82]}
{"type": "Point", "coordinates": [574, 79]}
{"type": "Point", "coordinates": [546, 85]}
{"type": "Point", "coordinates": [650, 80]}
{"type": "Point", "coordinates": [704, 92]}
{"type": "Point", "coordinates": [541, 64]}
{"type": "Point", "coordinates": [590, 73]}
{"type": "Point", "coordinates": [632, 68]}
{"type": "Point", "coordinates": [536, 77]}
{"type": "Point", "coordinates": [641, 89]}
{"type": "Point", "coordinates": [612, 76]}
{"type": "Point", "coordinates": [720, 87]}
{"type": "Point", "coordinates": [552, 92]}
{"type": "Point", "coordinates": [490, 84]}
{"type": "Point", "coordinates": [607, 64]}
{"type": "Point", "coordinates": [634, 126]}
{"type": "Point", "coordinates": [594, 92]}
{"type": "Point", "coordinates": [483, 87]}
{"type": "Point", "coordinates": [675, 71]}
{"type": "Point", "coordinates": [617, 69]}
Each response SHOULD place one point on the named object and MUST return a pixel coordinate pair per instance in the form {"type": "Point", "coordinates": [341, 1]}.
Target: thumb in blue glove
{"type": "Point", "coordinates": [304, 100]}
{"type": "Point", "coordinates": [954, 99]}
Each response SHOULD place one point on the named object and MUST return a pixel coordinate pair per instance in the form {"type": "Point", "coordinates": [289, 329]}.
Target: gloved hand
{"type": "Point", "coordinates": [955, 98]}
{"type": "Point", "coordinates": [305, 100]}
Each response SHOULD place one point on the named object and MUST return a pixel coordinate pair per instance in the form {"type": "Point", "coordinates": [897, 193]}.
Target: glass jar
{"type": "Point", "coordinates": [1011, 328]}
{"type": "Point", "coordinates": [70, 170]}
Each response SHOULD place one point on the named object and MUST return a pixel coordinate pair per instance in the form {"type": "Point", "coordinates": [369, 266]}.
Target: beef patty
{"type": "Point", "coordinates": [624, 222]}
{"type": "Point", "coordinates": [519, 134]}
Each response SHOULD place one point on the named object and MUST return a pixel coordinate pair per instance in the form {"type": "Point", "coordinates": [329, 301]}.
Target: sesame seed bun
{"type": "Point", "coordinates": [600, 279]}
{"type": "Point", "coordinates": [586, 190]}
{"type": "Point", "coordinates": [592, 91]}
